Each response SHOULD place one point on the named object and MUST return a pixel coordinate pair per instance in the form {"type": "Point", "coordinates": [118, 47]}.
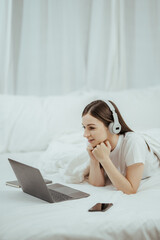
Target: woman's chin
{"type": "Point", "coordinates": [94, 144]}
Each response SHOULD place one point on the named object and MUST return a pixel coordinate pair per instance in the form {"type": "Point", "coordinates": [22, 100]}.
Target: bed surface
{"type": "Point", "coordinates": [25, 217]}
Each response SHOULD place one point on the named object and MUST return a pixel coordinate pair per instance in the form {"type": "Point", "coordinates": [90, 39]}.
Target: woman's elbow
{"type": "Point", "coordinates": [132, 191]}
{"type": "Point", "coordinates": [97, 184]}
{"type": "Point", "coordinates": [128, 191]}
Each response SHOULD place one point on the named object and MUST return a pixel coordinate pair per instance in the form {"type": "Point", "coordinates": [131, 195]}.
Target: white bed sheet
{"type": "Point", "coordinates": [25, 217]}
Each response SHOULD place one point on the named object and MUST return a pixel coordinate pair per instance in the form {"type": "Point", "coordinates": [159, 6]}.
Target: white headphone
{"type": "Point", "coordinates": [114, 127]}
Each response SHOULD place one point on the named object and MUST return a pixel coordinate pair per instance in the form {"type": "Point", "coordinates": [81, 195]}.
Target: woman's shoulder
{"type": "Point", "coordinates": [133, 138]}
{"type": "Point", "coordinates": [134, 148]}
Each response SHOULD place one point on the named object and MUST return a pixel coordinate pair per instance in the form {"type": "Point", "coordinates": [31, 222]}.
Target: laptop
{"type": "Point", "coordinates": [33, 184]}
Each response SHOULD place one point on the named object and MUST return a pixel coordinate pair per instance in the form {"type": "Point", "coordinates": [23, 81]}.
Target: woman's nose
{"type": "Point", "coordinates": [86, 133]}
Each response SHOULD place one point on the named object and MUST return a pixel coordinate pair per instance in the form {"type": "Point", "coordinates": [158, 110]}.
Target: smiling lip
{"type": "Point", "coordinates": [91, 140]}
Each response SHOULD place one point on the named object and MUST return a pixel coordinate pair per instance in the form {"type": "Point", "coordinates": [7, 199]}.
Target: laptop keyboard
{"type": "Point", "coordinates": [58, 197]}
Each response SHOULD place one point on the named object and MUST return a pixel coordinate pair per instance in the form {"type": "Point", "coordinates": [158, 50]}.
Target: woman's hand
{"type": "Point", "coordinates": [96, 174]}
{"type": "Point", "coordinates": [89, 150]}
{"type": "Point", "coordinates": [101, 152]}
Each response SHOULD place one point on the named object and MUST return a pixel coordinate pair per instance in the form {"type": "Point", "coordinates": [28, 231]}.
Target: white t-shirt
{"type": "Point", "coordinates": [131, 148]}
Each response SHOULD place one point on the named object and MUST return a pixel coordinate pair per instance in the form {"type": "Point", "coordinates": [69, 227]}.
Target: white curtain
{"type": "Point", "coordinates": [6, 64]}
{"type": "Point", "coordinates": [57, 46]}
{"type": "Point", "coordinates": [106, 50]}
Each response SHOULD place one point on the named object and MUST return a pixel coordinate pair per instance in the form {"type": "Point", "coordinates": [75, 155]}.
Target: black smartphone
{"type": "Point", "coordinates": [17, 185]}
{"type": "Point", "coordinates": [100, 207]}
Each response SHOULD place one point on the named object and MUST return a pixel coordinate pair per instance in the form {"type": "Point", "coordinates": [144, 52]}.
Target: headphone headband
{"type": "Point", "coordinates": [115, 126]}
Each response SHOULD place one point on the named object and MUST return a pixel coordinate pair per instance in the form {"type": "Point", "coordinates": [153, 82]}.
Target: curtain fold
{"type": "Point", "coordinates": [6, 56]}
{"type": "Point", "coordinates": [116, 70]}
{"type": "Point", "coordinates": [50, 47]}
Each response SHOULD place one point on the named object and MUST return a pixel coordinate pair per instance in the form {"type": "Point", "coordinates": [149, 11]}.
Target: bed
{"type": "Point", "coordinates": [45, 132]}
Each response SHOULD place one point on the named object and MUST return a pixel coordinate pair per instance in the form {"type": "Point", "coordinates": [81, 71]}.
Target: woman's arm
{"type": "Point", "coordinates": [128, 184]}
{"type": "Point", "coordinates": [96, 173]}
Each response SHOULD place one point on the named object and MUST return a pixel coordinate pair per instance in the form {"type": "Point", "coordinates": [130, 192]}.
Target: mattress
{"type": "Point", "coordinates": [22, 216]}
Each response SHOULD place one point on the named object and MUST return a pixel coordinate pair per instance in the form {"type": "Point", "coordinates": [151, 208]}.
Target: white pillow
{"type": "Point", "coordinates": [139, 107]}
{"type": "Point", "coordinates": [29, 123]}
{"type": "Point", "coordinates": [64, 113]}
{"type": "Point", "coordinates": [24, 124]}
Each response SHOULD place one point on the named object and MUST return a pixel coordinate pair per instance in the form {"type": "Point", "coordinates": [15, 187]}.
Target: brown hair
{"type": "Point", "coordinates": [100, 110]}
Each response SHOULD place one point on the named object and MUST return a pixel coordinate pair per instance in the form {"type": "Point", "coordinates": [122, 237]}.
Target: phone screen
{"type": "Point", "coordinates": [100, 207]}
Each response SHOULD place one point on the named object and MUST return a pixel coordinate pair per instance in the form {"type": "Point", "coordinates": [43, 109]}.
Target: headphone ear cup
{"type": "Point", "coordinates": [110, 127]}
{"type": "Point", "coordinates": [114, 128]}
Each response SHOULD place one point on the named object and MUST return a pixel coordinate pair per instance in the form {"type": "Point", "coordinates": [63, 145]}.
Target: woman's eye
{"type": "Point", "coordinates": [91, 128]}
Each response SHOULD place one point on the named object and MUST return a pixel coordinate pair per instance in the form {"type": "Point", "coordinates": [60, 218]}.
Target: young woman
{"type": "Point", "coordinates": [114, 149]}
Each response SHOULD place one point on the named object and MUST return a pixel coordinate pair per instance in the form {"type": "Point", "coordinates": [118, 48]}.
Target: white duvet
{"type": "Point", "coordinates": [24, 217]}
{"type": "Point", "coordinates": [27, 218]}
{"type": "Point", "coordinates": [68, 156]}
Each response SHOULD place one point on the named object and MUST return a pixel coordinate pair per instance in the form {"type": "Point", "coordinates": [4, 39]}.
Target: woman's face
{"type": "Point", "coordinates": [94, 130]}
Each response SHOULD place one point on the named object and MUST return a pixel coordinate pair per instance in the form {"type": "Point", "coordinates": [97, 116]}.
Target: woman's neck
{"type": "Point", "coordinates": [114, 141]}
